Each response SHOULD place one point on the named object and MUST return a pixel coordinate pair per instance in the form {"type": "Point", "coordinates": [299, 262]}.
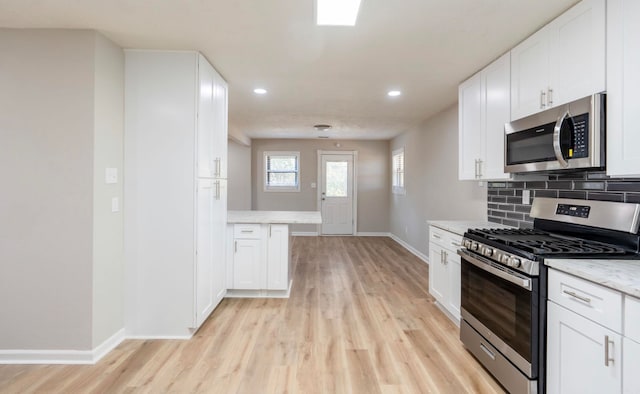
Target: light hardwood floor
{"type": "Point", "coordinates": [359, 320]}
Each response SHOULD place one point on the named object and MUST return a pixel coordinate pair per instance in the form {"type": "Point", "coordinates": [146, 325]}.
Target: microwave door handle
{"type": "Point", "coordinates": [556, 139]}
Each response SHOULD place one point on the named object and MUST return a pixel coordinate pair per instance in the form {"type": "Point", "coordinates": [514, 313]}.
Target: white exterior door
{"type": "Point", "coordinates": [337, 193]}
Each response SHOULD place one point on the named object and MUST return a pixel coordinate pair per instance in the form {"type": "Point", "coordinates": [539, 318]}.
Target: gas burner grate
{"type": "Point", "coordinates": [543, 243]}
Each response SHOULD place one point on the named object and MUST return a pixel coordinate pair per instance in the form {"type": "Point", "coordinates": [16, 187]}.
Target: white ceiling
{"type": "Point", "coordinates": [334, 75]}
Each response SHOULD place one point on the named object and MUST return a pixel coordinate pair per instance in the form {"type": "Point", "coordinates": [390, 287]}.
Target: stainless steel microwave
{"type": "Point", "coordinates": [567, 137]}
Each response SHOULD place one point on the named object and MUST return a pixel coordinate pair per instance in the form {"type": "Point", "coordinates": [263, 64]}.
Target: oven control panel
{"type": "Point", "coordinates": [579, 211]}
{"type": "Point", "coordinates": [497, 255]}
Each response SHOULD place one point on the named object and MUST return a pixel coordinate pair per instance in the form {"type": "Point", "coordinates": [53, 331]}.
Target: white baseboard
{"type": "Point", "coordinates": [62, 356]}
{"type": "Point", "coordinates": [304, 233]}
{"type": "Point", "coordinates": [369, 234]}
{"type": "Point", "coordinates": [410, 248]}
{"type": "Point", "coordinates": [152, 337]}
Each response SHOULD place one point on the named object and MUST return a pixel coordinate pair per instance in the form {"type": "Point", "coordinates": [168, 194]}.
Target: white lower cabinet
{"type": "Point", "coordinates": [278, 257]}
{"type": "Point", "coordinates": [630, 365]}
{"type": "Point", "coordinates": [247, 264]}
{"type": "Point", "coordinates": [444, 270]}
{"type": "Point", "coordinates": [577, 354]}
{"type": "Point", "coordinates": [589, 349]}
{"type": "Point", "coordinates": [259, 258]}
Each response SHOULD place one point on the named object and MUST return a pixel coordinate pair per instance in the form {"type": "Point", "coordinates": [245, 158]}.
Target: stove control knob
{"type": "Point", "coordinates": [467, 244]}
{"type": "Point", "coordinates": [488, 252]}
{"type": "Point", "coordinates": [505, 259]}
{"type": "Point", "coordinates": [474, 246]}
{"type": "Point", "coordinates": [515, 262]}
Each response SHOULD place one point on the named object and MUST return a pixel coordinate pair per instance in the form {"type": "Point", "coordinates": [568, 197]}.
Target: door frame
{"type": "Point", "coordinates": [354, 154]}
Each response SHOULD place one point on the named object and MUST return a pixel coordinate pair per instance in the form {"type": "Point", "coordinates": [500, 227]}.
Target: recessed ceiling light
{"type": "Point", "coordinates": [337, 12]}
{"type": "Point", "coordinates": [394, 93]}
{"type": "Point", "coordinates": [260, 91]}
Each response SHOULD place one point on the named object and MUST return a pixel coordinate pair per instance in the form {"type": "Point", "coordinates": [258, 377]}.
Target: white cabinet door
{"type": "Point", "coordinates": [577, 53]}
{"type": "Point", "coordinates": [206, 119]}
{"type": "Point", "coordinates": [204, 251]}
{"type": "Point", "coordinates": [469, 127]}
{"type": "Point", "coordinates": [278, 257]}
{"type": "Point", "coordinates": [438, 277]}
{"type": "Point", "coordinates": [530, 75]}
{"type": "Point", "coordinates": [219, 229]}
{"type": "Point", "coordinates": [623, 87]}
{"type": "Point", "coordinates": [453, 271]}
{"type": "Point", "coordinates": [576, 352]}
{"type": "Point", "coordinates": [630, 364]}
{"type": "Point", "coordinates": [220, 101]}
{"type": "Point", "coordinates": [496, 112]}
{"type": "Point", "coordinates": [247, 264]}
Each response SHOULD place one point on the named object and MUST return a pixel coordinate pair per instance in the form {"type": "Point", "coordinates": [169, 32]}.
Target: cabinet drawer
{"type": "Point", "coordinates": [588, 299]}
{"type": "Point", "coordinates": [246, 231]}
{"type": "Point", "coordinates": [445, 238]}
{"type": "Point", "coordinates": [632, 318]}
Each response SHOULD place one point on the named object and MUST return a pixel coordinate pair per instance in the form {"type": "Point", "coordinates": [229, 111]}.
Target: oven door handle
{"type": "Point", "coordinates": [503, 273]}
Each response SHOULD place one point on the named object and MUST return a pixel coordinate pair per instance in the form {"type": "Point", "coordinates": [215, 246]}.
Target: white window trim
{"type": "Point", "coordinates": [394, 188]}
{"type": "Point", "coordinates": [268, 188]}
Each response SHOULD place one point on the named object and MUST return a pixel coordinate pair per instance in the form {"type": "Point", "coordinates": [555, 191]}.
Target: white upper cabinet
{"type": "Point", "coordinates": [562, 62]}
{"type": "Point", "coordinates": [623, 82]}
{"type": "Point", "coordinates": [212, 122]}
{"type": "Point", "coordinates": [484, 108]}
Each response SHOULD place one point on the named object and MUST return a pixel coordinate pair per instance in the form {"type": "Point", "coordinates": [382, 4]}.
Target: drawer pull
{"type": "Point", "coordinates": [246, 231]}
{"type": "Point", "coordinates": [607, 359]}
{"type": "Point", "coordinates": [436, 236]}
{"type": "Point", "coordinates": [456, 244]}
{"type": "Point", "coordinates": [574, 295]}
{"type": "Point", "coordinates": [489, 352]}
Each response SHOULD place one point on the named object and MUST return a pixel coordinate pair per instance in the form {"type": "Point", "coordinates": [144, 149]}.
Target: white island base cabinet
{"type": "Point", "coordinates": [258, 261]}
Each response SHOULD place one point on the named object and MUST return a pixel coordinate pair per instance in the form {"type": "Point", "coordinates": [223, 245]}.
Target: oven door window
{"type": "Point", "coordinates": [503, 307]}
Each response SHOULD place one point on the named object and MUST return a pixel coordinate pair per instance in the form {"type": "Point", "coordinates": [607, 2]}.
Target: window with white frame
{"type": "Point", "coordinates": [282, 171]}
{"type": "Point", "coordinates": [397, 175]}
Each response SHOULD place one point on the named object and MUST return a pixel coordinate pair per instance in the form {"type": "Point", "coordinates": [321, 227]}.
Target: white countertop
{"type": "Point", "coordinates": [622, 275]}
{"type": "Point", "coordinates": [274, 217]}
{"type": "Point", "coordinates": [461, 226]}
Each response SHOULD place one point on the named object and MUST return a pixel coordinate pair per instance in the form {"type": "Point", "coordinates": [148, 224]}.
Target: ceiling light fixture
{"type": "Point", "coordinates": [394, 93]}
{"type": "Point", "coordinates": [322, 127]}
{"type": "Point", "coordinates": [260, 91]}
{"type": "Point", "coordinates": [337, 12]}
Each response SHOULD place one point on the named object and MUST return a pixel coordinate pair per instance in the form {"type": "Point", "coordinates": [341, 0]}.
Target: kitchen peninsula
{"type": "Point", "coordinates": [259, 251]}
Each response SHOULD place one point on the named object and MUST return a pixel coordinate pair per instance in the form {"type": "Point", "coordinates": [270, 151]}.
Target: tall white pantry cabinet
{"type": "Point", "coordinates": [175, 192]}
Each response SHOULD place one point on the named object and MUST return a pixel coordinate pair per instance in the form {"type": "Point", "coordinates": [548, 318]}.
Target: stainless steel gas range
{"type": "Point", "coordinates": [504, 280]}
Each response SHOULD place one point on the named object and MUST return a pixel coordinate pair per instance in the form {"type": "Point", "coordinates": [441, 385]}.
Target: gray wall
{"type": "Point", "coordinates": [239, 175]}
{"type": "Point", "coordinates": [108, 258]}
{"type": "Point", "coordinates": [433, 191]}
{"type": "Point", "coordinates": [52, 99]}
{"type": "Point", "coordinates": [373, 179]}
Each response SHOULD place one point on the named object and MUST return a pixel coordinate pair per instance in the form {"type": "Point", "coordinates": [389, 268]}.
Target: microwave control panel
{"type": "Point", "coordinates": [580, 137]}
{"type": "Point", "coordinates": [579, 211]}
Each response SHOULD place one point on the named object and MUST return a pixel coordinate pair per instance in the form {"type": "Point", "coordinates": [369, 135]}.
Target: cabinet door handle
{"type": "Point", "coordinates": [550, 97]}
{"type": "Point", "coordinates": [269, 231]}
{"type": "Point", "coordinates": [607, 358]}
{"type": "Point", "coordinates": [574, 295]}
{"type": "Point", "coordinates": [476, 169]}
{"type": "Point", "coordinates": [445, 257]}
{"type": "Point", "coordinates": [217, 183]}
{"type": "Point", "coordinates": [480, 161]}
{"type": "Point", "coordinates": [236, 247]}
{"type": "Point", "coordinates": [217, 166]}
{"type": "Point", "coordinates": [543, 99]}
{"type": "Point", "coordinates": [489, 352]}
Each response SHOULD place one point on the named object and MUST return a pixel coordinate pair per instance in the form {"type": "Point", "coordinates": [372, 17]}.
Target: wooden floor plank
{"type": "Point", "coordinates": [359, 320]}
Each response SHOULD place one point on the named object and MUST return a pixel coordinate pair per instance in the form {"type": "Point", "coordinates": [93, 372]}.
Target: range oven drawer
{"type": "Point", "coordinates": [508, 375]}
